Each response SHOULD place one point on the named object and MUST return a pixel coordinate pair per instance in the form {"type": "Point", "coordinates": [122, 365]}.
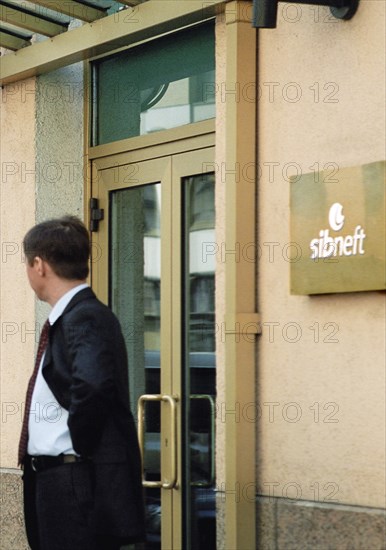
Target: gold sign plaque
{"type": "Point", "coordinates": [338, 230]}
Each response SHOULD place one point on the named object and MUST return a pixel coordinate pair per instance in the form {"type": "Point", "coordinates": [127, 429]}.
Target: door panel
{"type": "Point", "coordinates": [198, 360]}
{"type": "Point", "coordinates": [151, 270]}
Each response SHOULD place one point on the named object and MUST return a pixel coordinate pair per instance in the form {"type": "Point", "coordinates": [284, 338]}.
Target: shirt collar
{"type": "Point", "coordinates": [63, 302]}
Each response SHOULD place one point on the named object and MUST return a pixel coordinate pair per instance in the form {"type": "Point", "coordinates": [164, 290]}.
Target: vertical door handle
{"type": "Point", "coordinates": [172, 401]}
{"type": "Point", "coordinates": [211, 441]}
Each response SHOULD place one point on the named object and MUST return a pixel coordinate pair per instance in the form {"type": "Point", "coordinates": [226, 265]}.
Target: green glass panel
{"type": "Point", "coordinates": [199, 365]}
{"type": "Point", "coordinates": [135, 272]}
{"type": "Point", "coordinates": [159, 85]}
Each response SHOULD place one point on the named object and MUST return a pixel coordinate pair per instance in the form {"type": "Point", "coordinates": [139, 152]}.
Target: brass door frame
{"type": "Point", "coordinates": [236, 49]}
{"type": "Point", "coordinates": [129, 169]}
{"type": "Point", "coordinates": [131, 152]}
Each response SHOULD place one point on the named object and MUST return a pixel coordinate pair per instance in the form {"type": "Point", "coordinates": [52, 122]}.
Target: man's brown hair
{"type": "Point", "coordinates": [63, 243]}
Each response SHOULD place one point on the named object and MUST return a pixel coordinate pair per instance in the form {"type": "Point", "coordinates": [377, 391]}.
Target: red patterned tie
{"type": "Point", "coordinates": [31, 384]}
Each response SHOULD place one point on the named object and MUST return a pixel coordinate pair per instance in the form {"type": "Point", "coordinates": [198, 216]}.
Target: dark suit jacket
{"type": "Point", "coordinates": [85, 366]}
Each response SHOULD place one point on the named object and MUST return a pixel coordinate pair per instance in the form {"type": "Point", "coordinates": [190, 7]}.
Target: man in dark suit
{"type": "Point", "coordinates": [78, 447]}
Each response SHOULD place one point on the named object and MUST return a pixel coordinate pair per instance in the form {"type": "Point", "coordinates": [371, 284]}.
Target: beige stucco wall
{"type": "Point", "coordinates": [60, 148]}
{"type": "Point", "coordinates": [17, 204]}
{"type": "Point", "coordinates": [321, 435]}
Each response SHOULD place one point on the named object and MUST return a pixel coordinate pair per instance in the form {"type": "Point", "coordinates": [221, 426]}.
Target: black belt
{"type": "Point", "coordinates": [40, 463]}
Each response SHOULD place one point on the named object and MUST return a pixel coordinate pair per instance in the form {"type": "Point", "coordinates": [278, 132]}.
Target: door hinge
{"type": "Point", "coordinates": [96, 214]}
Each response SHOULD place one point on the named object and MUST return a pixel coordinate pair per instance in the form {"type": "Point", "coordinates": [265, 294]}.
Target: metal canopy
{"type": "Point", "coordinates": [20, 20]}
{"type": "Point", "coordinates": [142, 20]}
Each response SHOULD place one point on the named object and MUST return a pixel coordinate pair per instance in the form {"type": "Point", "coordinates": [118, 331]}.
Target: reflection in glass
{"type": "Point", "coordinates": [159, 85]}
{"type": "Point", "coordinates": [199, 362]}
{"type": "Point", "coordinates": [135, 267]}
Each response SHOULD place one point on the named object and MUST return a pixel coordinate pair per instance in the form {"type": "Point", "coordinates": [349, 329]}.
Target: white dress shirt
{"type": "Point", "coordinates": [47, 426]}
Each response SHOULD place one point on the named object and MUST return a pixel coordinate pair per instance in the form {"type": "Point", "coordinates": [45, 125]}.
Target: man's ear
{"type": "Point", "coordinates": [39, 265]}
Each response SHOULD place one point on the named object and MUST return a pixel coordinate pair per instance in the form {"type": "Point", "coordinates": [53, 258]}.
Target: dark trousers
{"type": "Point", "coordinates": [57, 504]}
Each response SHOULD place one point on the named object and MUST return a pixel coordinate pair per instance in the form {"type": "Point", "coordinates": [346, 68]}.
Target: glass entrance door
{"type": "Point", "coordinates": [156, 270]}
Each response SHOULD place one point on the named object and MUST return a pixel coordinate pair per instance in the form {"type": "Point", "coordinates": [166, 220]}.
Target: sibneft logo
{"type": "Point", "coordinates": [327, 246]}
{"type": "Point", "coordinates": [335, 217]}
